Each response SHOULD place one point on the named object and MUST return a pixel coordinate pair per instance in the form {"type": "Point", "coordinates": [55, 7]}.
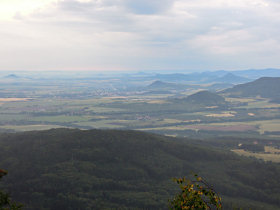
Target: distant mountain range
{"type": "Point", "coordinates": [218, 76]}
{"type": "Point", "coordinates": [266, 87]}
{"type": "Point", "coordinates": [12, 76]}
{"type": "Point", "coordinates": [231, 79]}
{"type": "Point", "coordinates": [257, 73]}
{"type": "Point", "coordinates": [191, 78]}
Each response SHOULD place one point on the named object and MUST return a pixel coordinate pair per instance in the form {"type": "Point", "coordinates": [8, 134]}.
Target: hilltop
{"type": "Point", "coordinates": [74, 169]}
{"type": "Point", "coordinates": [159, 85]}
{"type": "Point", "coordinates": [257, 73]}
{"type": "Point", "coordinates": [205, 98]}
{"type": "Point", "coordinates": [11, 76]}
{"type": "Point", "coordinates": [230, 78]}
{"type": "Point", "coordinates": [266, 87]}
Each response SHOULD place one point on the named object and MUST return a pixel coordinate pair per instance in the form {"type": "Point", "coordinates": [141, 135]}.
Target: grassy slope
{"type": "Point", "coordinates": [73, 169]}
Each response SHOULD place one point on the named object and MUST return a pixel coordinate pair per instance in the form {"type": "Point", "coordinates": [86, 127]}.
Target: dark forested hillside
{"type": "Point", "coordinates": [205, 98]}
{"type": "Point", "coordinates": [267, 87]}
{"type": "Point", "coordinates": [99, 169]}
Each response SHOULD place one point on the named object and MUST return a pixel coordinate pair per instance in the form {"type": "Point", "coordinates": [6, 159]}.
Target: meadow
{"type": "Point", "coordinates": [138, 112]}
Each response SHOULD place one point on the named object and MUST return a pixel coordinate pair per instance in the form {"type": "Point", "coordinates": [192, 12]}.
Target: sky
{"type": "Point", "coordinates": [106, 35]}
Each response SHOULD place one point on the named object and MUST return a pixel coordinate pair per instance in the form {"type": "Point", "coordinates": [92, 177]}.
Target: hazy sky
{"type": "Point", "coordinates": [139, 34]}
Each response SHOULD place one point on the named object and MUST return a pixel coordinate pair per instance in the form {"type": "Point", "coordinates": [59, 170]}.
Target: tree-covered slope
{"type": "Point", "coordinates": [267, 87]}
{"type": "Point", "coordinates": [99, 169]}
{"type": "Point", "coordinates": [203, 98]}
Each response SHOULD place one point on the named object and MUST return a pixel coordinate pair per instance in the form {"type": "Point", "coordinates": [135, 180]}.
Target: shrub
{"type": "Point", "coordinates": [195, 194]}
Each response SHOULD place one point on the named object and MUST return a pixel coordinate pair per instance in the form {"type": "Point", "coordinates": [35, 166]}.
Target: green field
{"type": "Point", "coordinates": [133, 113]}
{"type": "Point", "coordinates": [273, 157]}
{"type": "Point", "coordinates": [92, 103]}
{"type": "Point", "coordinates": [30, 127]}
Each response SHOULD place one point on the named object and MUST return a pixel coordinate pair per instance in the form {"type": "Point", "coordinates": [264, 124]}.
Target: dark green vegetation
{"type": "Point", "coordinates": [95, 169]}
{"type": "Point", "coordinates": [5, 201]}
{"type": "Point", "coordinates": [195, 193]}
{"type": "Point", "coordinates": [205, 98]}
{"type": "Point", "coordinates": [73, 169]}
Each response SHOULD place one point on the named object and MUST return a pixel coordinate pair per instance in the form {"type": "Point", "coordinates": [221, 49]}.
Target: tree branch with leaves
{"type": "Point", "coordinates": [195, 194]}
{"type": "Point", "coordinates": [5, 201]}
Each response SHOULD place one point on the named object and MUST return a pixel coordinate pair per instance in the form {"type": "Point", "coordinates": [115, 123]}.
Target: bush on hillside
{"type": "Point", "coordinates": [195, 194]}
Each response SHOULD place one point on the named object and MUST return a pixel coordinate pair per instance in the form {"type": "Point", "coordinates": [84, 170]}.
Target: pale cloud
{"type": "Point", "coordinates": [142, 34]}
{"type": "Point", "coordinates": [9, 8]}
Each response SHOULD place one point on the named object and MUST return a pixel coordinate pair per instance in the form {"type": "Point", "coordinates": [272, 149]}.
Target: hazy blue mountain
{"type": "Point", "coordinates": [266, 87]}
{"type": "Point", "coordinates": [257, 73]}
{"type": "Point", "coordinates": [12, 76]}
{"type": "Point", "coordinates": [200, 77]}
{"type": "Point", "coordinates": [220, 76]}
{"type": "Point", "coordinates": [159, 85]}
{"type": "Point", "coordinates": [230, 78]}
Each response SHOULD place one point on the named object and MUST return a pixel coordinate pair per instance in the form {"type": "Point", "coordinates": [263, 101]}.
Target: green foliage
{"type": "Point", "coordinates": [108, 169]}
{"type": "Point", "coordinates": [5, 202]}
{"type": "Point", "coordinates": [195, 194]}
{"type": "Point", "coordinates": [206, 98]}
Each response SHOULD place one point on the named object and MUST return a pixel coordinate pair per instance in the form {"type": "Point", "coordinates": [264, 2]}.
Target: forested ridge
{"type": "Point", "coordinates": [99, 169]}
{"type": "Point", "coordinates": [267, 87]}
